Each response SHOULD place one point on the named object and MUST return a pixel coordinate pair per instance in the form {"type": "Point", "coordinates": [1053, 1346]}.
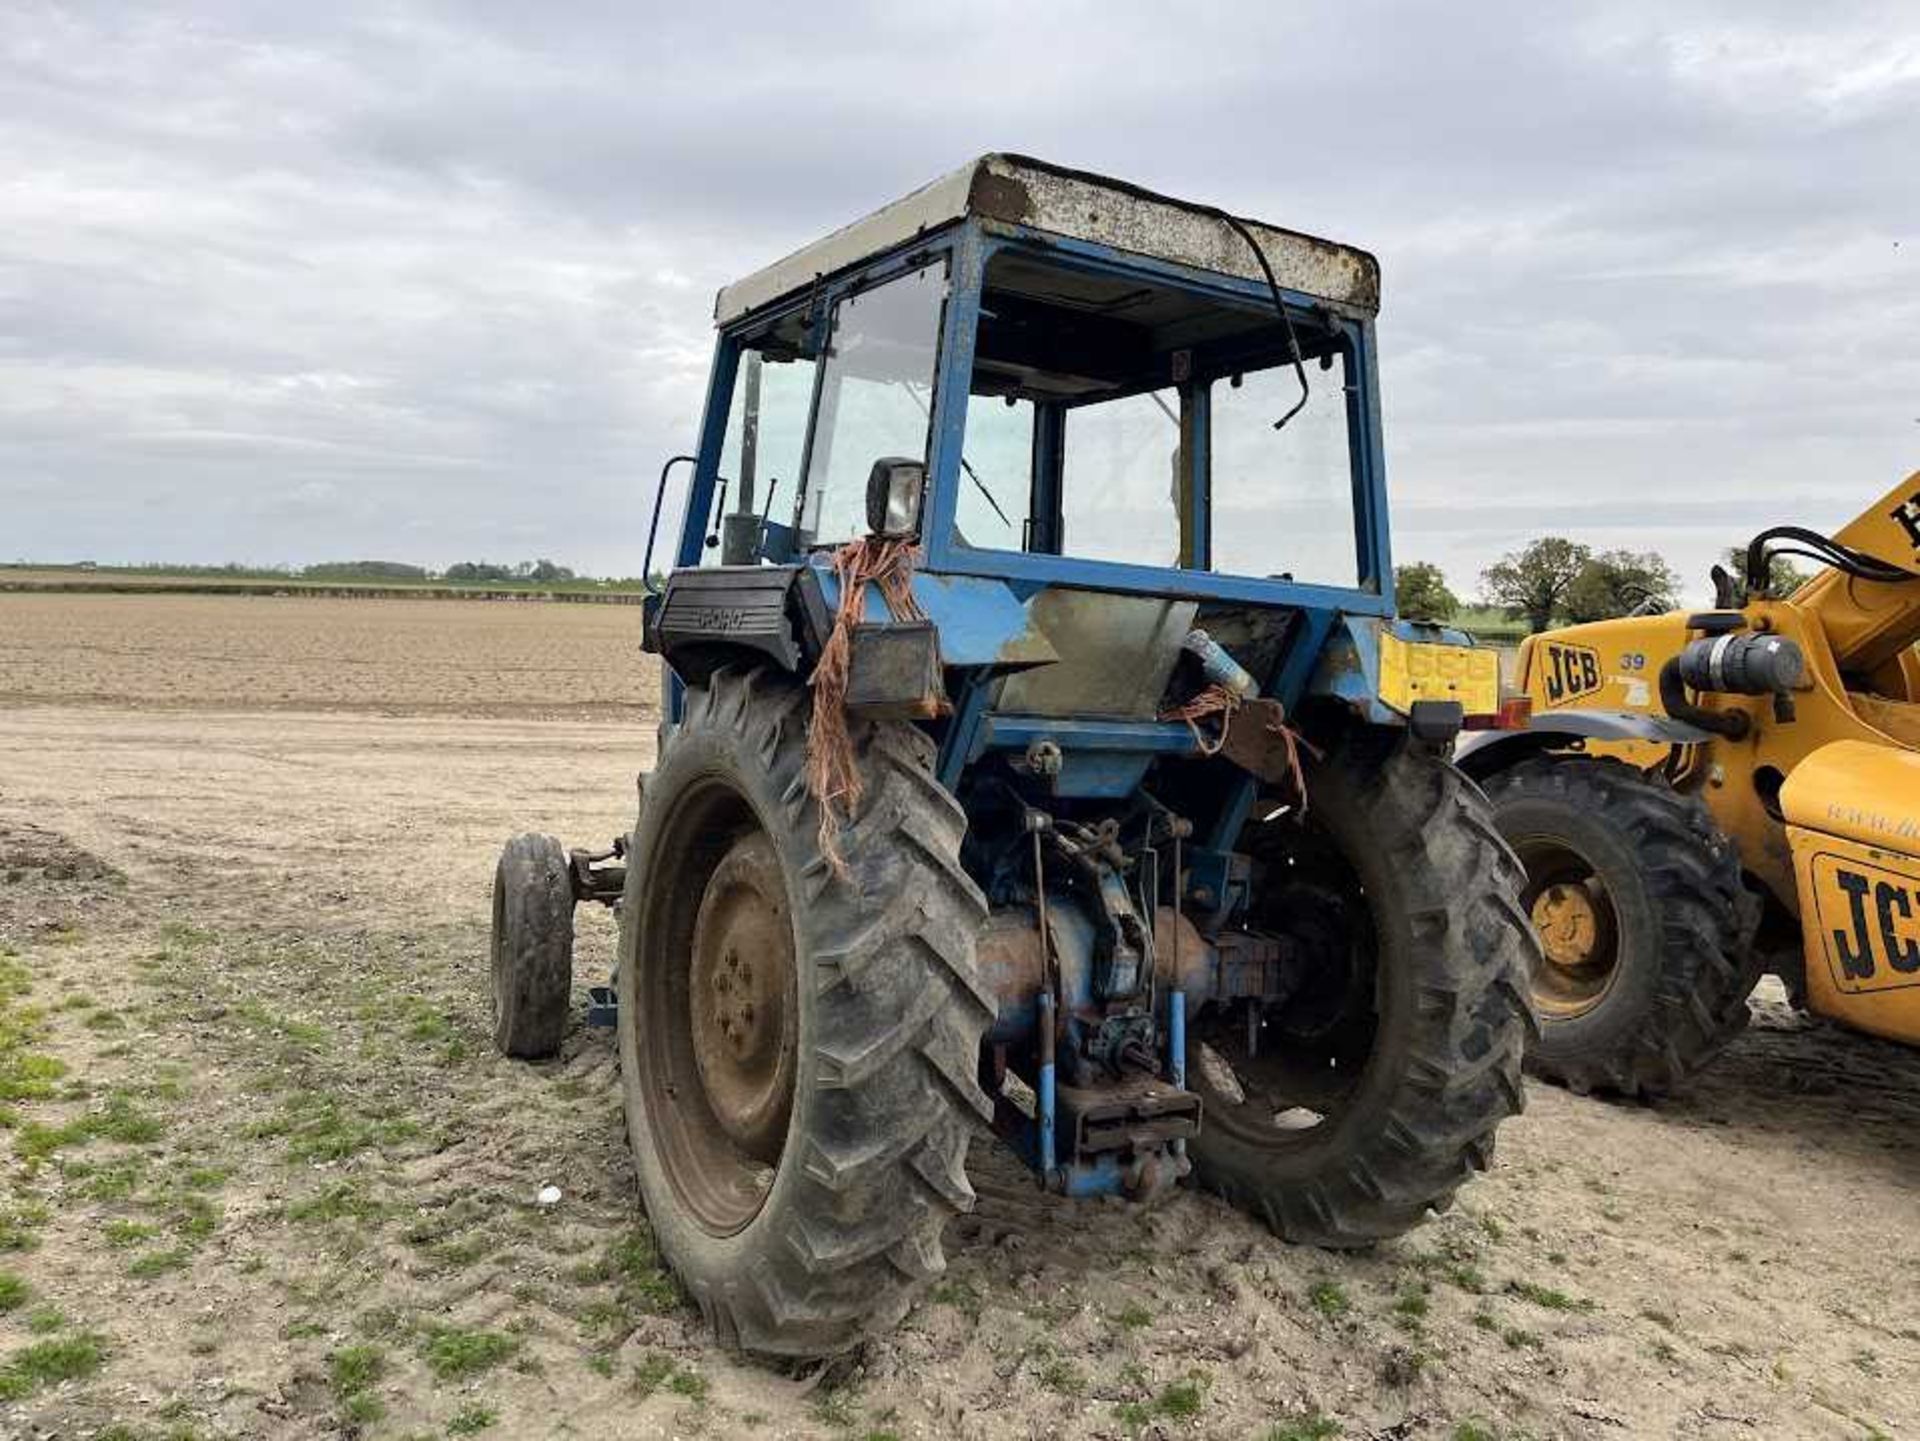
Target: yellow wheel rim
{"type": "Point", "coordinates": [1568, 924]}
{"type": "Point", "coordinates": [1573, 917]}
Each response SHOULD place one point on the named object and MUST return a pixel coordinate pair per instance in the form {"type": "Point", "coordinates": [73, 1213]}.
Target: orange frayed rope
{"type": "Point", "coordinates": [833, 770]}
{"type": "Point", "coordinates": [1219, 700]}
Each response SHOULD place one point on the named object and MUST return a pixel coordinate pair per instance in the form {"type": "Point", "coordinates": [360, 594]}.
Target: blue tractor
{"type": "Point", "coordinates": [1040, 753]}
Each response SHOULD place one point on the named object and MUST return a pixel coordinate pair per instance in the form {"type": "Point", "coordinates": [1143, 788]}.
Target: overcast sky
{"type": "Point", "coordinates": [286, 283]}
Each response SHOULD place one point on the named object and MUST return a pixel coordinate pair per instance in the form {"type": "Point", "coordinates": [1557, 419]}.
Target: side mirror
{"type": "Point", "coordinates": [895, 488]}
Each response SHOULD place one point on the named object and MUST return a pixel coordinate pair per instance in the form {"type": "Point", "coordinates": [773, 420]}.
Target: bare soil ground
{"type": "Point", "coordinates": [469, 658]}
{"type": "Point", "coordinates": [265, 1178]}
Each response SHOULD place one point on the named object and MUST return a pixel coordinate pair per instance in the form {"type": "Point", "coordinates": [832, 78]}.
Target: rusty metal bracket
{"type": "Point", "coordinates": [593, 879]}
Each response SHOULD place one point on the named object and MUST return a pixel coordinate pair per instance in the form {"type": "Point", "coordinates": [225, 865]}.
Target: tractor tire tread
{"type": "Point", "coordinates": [532, 947]}
{"type": "Point", "coordinates": [1471, 1020]}
{"type": "Point", "coordinates": [1705, 918]}
{"type": "Point", "coordinates": [897, 997]}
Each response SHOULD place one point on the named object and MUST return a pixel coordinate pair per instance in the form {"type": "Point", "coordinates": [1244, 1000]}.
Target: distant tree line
{"type": "Point", "coordinates": [544, 572]}
{"type": "Point", "coordinates": [1556, 581]}
{"type": "Point", "coordinates": [365, 570]}
{"type": "Point", "coordinates": [466, 572]}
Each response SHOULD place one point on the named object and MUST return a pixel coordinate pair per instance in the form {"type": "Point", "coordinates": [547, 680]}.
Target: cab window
{"type": "Point", "coordinates": [875, 397]}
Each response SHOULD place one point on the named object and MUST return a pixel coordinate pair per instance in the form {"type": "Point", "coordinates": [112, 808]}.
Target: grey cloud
{"type": "Point", "coordinates": [434, 279]}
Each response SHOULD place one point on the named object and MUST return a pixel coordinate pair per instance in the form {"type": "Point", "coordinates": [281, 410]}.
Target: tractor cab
{"type": "Point", "coordinates": [1107, 419]}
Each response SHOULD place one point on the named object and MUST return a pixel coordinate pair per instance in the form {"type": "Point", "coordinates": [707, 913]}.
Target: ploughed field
{"type": "Point", "coordinates": [264, 1177]}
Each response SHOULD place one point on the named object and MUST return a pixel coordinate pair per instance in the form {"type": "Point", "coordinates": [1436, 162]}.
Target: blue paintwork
{"type": "Point", "coordinates": [980, 599]}
{"type": "Point", "coordinates": [1349, 669]}
{"type": "Point", "coordinates": [976, 617]}
{"type": "Point", "coordinates": [1103, 1177]}
{"type": "Point", "coordinates": [1101, 759]}
{"type": "Point", "coordinates": [1045, 1108]}
{"type": "Point", "coordinates": [1013, 732]}
{"type": "Point", "coordinates": [969, 715]}
{"type": "Point", "coordinates": [1177, 1038]}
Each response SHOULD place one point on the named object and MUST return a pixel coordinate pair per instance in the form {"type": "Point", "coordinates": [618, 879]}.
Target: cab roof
{"type": "Point", "coordinates": [1017, 190]}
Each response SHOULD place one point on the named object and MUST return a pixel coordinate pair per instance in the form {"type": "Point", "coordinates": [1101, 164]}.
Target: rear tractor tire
{"type": "Point", "coordinates": [1372, 1094]}
{"type": "Point", "coordinates": [798, 1048]}
{"type": "Point", "coordinates": [1645, 927]}
{"type": "Point", "coordinates": [532, 947]}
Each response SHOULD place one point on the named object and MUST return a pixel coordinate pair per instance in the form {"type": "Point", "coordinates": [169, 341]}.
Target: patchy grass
{"type": "Point", "coordinates": [319, 1127]}
{"type": "Point", "coordinates": [1329, 1298]}
{"type": "Point", "coordinates": [651, 1372]}
{"type": "Point", "coordinates": [1058, 1374]}
{"type": "Point", "coordinates": [18, 1226]}
{"type": "Point", "coordinates": [1180, 1399]}
{"type": "Point", "coordinates": [341, 1201]}
{"type": "Point", "coordinates": [159, 1263]}
{"type": "Point", "coordinates": [1547, 1297]}
{"type": "Point", "coordinates": [452, 1352]}
{"type": "Point", "coordinates": [1134, 1317]}
{"type": "Point", "coordinates": [960, 1294]}
{"type": "Point", "coordinates": [353, 1371]}
{"type": "Point", "coordinates": [1410, 1307]}
{"type": "Point", "coordinates": [14, 1292]}
{"type": "Point", "coordinates": [688, 1383]}
{"type": "Point", "coordinates": [45, 1320]}
{"type": "Point", "coordinates": [633, 1261]}
{"type": "Point", "coordinates": [119, 1120]}
{"type": "Point", "coordinates": [471, 1420]}
{"type": "Point", "coordinates": [355, 1368]}
{"type": "Point", "coordinates": [46, 1363]}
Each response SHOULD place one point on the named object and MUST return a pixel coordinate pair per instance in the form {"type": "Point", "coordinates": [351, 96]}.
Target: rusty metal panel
{"type": "Point", "coordinates": [1117, 653]}
{"type": "Point", "coordinates": [1107, 212]}
{"type": "Point", "coordinates": [1016, 190]}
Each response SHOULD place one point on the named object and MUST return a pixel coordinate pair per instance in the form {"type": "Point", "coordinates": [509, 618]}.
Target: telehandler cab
{"type": "Point", "coordinates": [1041, 753]}
{"type": "Point", "coordinates": [1701, 798]}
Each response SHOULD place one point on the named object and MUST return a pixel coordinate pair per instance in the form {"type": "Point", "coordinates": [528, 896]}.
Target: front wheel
{"type": "Point", "coordinates": [532, 947]}
{"type": "Point", "coordinates": [1372, 1093]}
{"type": "Point", "coordinates": [799, 1048]}
{"type": "Point", "coordinates": [1645, 928]}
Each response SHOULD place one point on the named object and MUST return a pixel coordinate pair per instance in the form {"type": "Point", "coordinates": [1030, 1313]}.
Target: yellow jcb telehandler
{"type": "Point", "coordinates": [1701, 797]}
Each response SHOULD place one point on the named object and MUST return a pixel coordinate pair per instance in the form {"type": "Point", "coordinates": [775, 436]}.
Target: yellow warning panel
{"type": "Point", "coordinates": [1860, 909]}
{"type": "Point", "coordinates": [1416, 670]}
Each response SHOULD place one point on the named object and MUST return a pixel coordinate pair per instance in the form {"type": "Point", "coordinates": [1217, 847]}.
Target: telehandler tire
{"type": "Point", "coordinates": [532, 947]}
{"type": "Point", "coordinates": [1374, 1092]}
{"type": "Point", "coordinates": [799, 1050]}
{"type": "Point", "coordinates": [1646, 930]}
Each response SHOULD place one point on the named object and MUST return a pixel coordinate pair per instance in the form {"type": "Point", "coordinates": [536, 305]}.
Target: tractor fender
{"type": "Point", "coordinates": [1481, 753]}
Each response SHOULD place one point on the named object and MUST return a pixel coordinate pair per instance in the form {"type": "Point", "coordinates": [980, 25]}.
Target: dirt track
{"type": "Point", "coordinates": [284, 1185]}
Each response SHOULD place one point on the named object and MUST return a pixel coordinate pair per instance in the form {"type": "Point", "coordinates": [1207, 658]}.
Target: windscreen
{"type": "Point", "coordinates": [1108, 409]}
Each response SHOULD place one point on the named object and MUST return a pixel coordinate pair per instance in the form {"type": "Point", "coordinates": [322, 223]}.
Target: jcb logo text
{"type": "Point", "coordinates": [1872, 920]}
{"type": "Point", "coordinates": [1572, 671]}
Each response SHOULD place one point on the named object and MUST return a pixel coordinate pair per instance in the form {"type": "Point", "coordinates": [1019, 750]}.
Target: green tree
{"type": "Point", "coordinates": [1620, 582]}
{"type": "Point", "coordinates": [1783, 576]}
{"type": "Point", "coordinates": [1420, 589]}
{"type": "Point", "coordinates": [1533, 582]}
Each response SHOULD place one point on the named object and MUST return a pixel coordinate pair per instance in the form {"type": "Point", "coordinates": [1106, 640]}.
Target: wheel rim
{"type": "Point", "coordinates": [718, 1010]}
{"type": "Point", "coordinates": [1573, 916]}
{"type": "Point", "coordinates": [1281, 1078]}
{"type": "Point", "coordinates": [741, 999]}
